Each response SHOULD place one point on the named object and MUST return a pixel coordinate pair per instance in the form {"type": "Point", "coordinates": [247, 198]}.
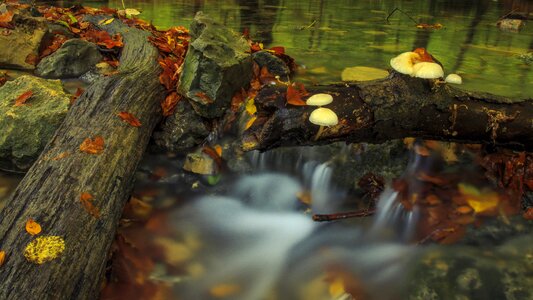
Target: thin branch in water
{"type": "Point", "coordinates": [343, 215]}
{"type": "Point", "coordinates": [397, 9]}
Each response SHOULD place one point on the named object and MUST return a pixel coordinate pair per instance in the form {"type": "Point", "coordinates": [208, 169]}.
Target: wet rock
{"type": "Point", "coordinates": [20, 46]}
{"type": "Point", "coordinates": [27, 129]}
{"type": "Point", "coordinates": [463, 272]}
{"type": "Point", "coordinates": [216, 66]}
{"type": "Point", "coordinates": [181, 131]}
{"type": "Point", "coordinates": [200, 163]}
{"type": "Point", "coordinates": [274, 64]}
{"type": "Point", "coordinates": [75, 58]}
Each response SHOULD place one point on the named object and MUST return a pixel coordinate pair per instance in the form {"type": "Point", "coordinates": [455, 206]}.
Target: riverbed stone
{"type": "Point", "coordinates": [75, 58]}
{"type": "Point", "coordinates": [216, 66]}
{"type": "Point", "coordinates": [181, 131]}
{"type": "Point", "coordinates": [26, 129]}
{"type": "Point", "coordinates": [20, 45]}
{"type": "Point", "coordinates": [275, 65]}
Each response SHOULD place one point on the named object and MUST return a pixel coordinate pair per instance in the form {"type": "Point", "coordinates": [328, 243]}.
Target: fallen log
{"type": "Point", "coordinates": [50, 192]}
{"type": "Point", "coordinates": [396, 107]}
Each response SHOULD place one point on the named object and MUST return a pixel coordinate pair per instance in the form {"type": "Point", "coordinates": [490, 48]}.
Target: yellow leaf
{"type": "Point", "coordinates": [106, 22]}
{"type": "Point", "coordinates": [250, 107]}
{"type": "Point", "coordinates": [224, 290]}
{"type": "Point", "coordinates": [336, 288]}
{"type": "Point", "coordinates": [33, 227]}
{"type": "Point", "coordinates": [480, 201]}
{"type": "Point", "coordinates": [2, 257]}
{"type": "Point", "coordinates": [44, 248]}
{"type": "Point", "coordinates": [132, 12]}
{"type": "Point", "coordinates": [250, 122]}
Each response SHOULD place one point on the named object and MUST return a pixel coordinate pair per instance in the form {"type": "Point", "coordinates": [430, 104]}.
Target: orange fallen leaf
{"type": "Point", "coordinates": [86, 200]}
{"type": "Point", "coordinates": [170, 103]}
{"type": "Point", "coordinates": [5, 19]}
{"type": "Point", "coordinates": [61, 155]}
{"type": "Point", "coordinates": [32, 59]}
{"type": "Point", "coordinates": [465, 209]}
{"type": "Point", "coordinates": [2, 257]}
{"type": "Point", "coordinates": [204, 97]}
{"type": "Point", "coordinates": [528, 214]}
{"type": "Point", "coordinates": [90, 146]}
{"type": "Point", "coordinates": [218, 149]}
{"type": "Point", "coordinates": [435, 26]}
{"type": "Point", "coordinates": [294, 96]}
{"type": "Point", "coordinates": [21, 100]}
{"type": "Point", "coordinates": [250, 122]}
{"type": "Point", "coordinates": [33, 227]}
{"type": "Point", "coordinates": [129, 118]}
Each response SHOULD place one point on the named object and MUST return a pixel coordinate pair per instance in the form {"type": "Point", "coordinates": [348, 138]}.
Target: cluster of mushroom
{"type": "Point", "coordinates": [322, 116]}
{"type": "Point", "coordinates": [419, 63]}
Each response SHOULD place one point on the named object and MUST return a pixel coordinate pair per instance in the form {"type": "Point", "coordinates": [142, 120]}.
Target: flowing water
{"type": "Point", "coordinates": [251, 236]}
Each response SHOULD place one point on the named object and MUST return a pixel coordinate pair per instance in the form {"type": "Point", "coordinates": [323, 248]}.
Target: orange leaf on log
{"type": "Point", "coordinates": [129, 118]}
{"type": "Point", "coordinates": [5, 18]}
{"type": "Point", "coordinates": [294, 97]}
{"type": "Point", "coordinates": [92, 146]}
{"type": "Point", "coordinates": [2, 257]}
{"type": "Point", "coordinates": [86, 200]}
{"type": "Point", "coordinates": [33, 227]}
{"type": "Point", "coordinates": [21, 100]}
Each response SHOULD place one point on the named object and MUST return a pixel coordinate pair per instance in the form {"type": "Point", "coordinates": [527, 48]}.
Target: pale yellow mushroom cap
{"type": "Point", "coordinates": [454, 78]}
{"type": "Point", "coordinates": [319, 100]}
{"type": "Point", "coordinates": [428, 70]}
{"type": "Point", "coordinates": [324, 117]}
{"type": "Point", "coordinates": [404, 62]}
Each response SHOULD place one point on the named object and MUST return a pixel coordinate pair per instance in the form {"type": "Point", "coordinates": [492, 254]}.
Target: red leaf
{"type": "Point", "coordinates": [129, 118]}
{"type": "Point", "coordinates": [5, 18]}
{"type": "Point", "coordinates": [204, 97]}
{"type": "Point", "coordinates": [21, 100]}
{"type": "Point", "coordinates": [170, 103]}
{"type": "Point", "coordinates": [86, 200]}
{"type": "Point", "coordinates": [278, 50]}
{"type": "Point", "coordinates": [90, 146]}
{"type": "Point", "coordinates": [294, 97]}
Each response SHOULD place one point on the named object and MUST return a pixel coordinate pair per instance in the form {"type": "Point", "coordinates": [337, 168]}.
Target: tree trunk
{"type": "Point", "coordinates": [50, 191]}
{"type": "Point", "coordinates": [392, 108]}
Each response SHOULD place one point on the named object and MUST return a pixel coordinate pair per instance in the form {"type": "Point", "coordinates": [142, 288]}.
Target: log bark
{"type": "Point", "coordinates": [50, 191]}
{"type": "Point", "coordinates": [397, 107]}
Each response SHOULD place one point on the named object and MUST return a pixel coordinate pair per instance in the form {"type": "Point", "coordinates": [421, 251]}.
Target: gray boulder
{"type": "Point", "coordinates": [75, 58]}
{"type": "Point", "coordinates": [274, 64]}
{"type": "Point", "coordinates": [27, 129]}
{"type": "Point", "coordinates": [20, 46]}
{"type": "Point", "coordinates": [217, 65]}
{"type": "Point", "coordinates": [181, 131]}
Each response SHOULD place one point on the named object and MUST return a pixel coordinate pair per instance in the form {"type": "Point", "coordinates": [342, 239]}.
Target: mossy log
{"type": "Point", "coordinates": [396, 107]}
{"type": "Point", "coordinates": [50, 191]}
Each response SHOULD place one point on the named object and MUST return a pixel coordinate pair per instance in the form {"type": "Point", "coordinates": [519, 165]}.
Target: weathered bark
{"type": "Point", "coordinates": [396, 107]}
{"type": "Point", "coordinates": [50, 191]}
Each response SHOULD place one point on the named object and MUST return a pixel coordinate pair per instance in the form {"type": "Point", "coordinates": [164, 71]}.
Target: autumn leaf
{"type": "Point", "coordinates": [2, 257]}
{"type": "Point", "coordinates": [203, 96]}
{"type": "Point", "coordinates": [61, 155]}
{"type": "Point", "coordinates": [250, 122]}
{"type": "Point", "coordinates": [218, 149]}
{"type": "Point", "coordinates": [86, 200]}
{"type": "Point", "coordinates": [21, 100]}
{"type": "Point", "coordinates": [528, 214]}
{"type": "Point", "coordinates": [480, 201]}
{"type": "Point", "coordinates": [75, 97]}
{"type": "Point", "coordinates": [32, 59]}
{"type": "Point", "coordinates": [129, 118]}
{"type": "Point", "coordinates": [435, 26]}
{"type": "Point", "coordinates": [5, 19]}
{"type": "Point", "coordinates": [170, 103]}
{"type": "Point", "coordinates": [294, 97]}
{"type": "Point", "coordinates": [33, 227]}
{"type": "Point", "coordinates": [92, 146]}
{"type": "Point", "coordinates": [44, 248]}
{"type": "Point", "coordinates": [424, 56]}
{"type": "Point", "coordinates": [277, 50]}
{"type": "Point", "coordinates": [250, 107]}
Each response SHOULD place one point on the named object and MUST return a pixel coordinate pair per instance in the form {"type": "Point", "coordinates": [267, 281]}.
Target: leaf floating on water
{"type": "Point", "coordinates": [33, 227]}
{"type": "Point", "coordinates": [130, 119]}
{"type": "Point", "coordinates": [480, 201]}
{"type": "Point", "coordinates": [224, 290]}
{"type": "Point", "coordinates": [132, 12]}
{"type": "Point", "coordinates": [86, 200]}
{"type": "Point", "coordinates": [44, 248]}
{"type": "Point", "coordinates": [90, 146]}
{"type": "Point", "coordinates": [435, 26]}
{"type": "Point", "coordinates": [2, 257]}
{"type": "Point", "coordinates": [21, 100]}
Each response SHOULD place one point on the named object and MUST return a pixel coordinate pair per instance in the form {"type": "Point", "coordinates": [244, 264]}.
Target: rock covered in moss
{"type": "Point", "coordinates": [75, 58]}
{"type": "Point", "coordinates": [217, 65]}
{"type": "Point", "coordinates": [27, 128]}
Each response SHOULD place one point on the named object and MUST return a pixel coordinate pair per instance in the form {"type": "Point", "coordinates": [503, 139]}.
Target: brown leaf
{"type": "Point", "coordinates": [86, 200]}
{"type": "Point", "coordinates": [32, 59]}
{"type": "Point", "coordinates": [21, 100]}
{"type": "Point", "coordinates": [33, 227]}
{"type": "Point", "coordinates": [90, 146]}
{"type": "Point", "coordinates": [169, 103]}
{"type": "Point", "coordinates": [2, 257]}
{"type": "Point", "coordinates": [61, 155]}
{"type": "Point", "coordinates": [5, 18]}
{"type": "Point", "coordinates": [204, 97]}
{"type": "Point", "coordinates": [294, 97]}
{"type": "Point", "coordinates": [129, 118]}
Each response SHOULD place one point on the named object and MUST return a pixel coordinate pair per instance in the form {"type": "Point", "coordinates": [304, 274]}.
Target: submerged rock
{"type": "Point", "coordinates": [20, 46]}
{"type": "Point", "coordinates": [216, 66]}
{"type": "Point", "coordinates": [75, 58]}
{"type": "Point", "coordinates": [26, 129]}
{"type": "Point", "coordinates": [200, 163]}
{"type": "Point", "coordinates": [181, 131]}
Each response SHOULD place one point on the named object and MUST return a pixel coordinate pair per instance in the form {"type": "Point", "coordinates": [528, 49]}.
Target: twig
{"type": "Point", "coordinates": [397, 9]}
{"type": "Point", "coordinates": [343, 215]}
